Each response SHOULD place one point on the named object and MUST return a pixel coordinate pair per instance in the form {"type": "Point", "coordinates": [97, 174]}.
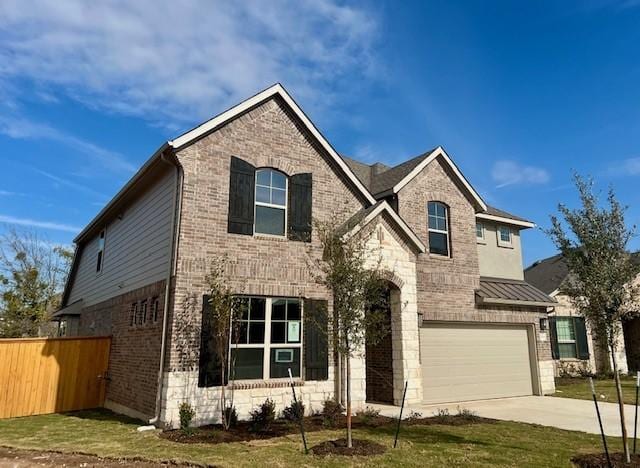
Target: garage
{"type": "Point", "coordinates": [462, 362]}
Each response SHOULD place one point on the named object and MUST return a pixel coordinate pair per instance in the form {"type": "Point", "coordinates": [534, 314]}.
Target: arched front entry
{"type": "Point", "coordinates": [379, 357]}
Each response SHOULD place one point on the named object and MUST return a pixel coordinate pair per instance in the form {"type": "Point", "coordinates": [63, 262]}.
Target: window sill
{"type": "Point", "coordinates": [572, 359]}
{"type": "Point", "coordinates": [270, 237]}
{"type": "Point", "coordinates": [505, 246]}
{"type": "Point", "coordinates": [481, 241]}
{"type": "Point", "coordinates": [444, 258]}
{"type": "Point", "coordinates": [276, 383]}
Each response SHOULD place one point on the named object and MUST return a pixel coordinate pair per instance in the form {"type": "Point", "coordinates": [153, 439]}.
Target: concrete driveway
{"type": "Point", "coordinates": [563, 413]}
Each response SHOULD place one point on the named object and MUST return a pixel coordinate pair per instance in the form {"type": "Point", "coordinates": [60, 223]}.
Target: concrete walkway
{"type": "Point", "coordinates": [563, 413]}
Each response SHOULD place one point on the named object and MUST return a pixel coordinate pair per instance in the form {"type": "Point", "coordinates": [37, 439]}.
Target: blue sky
{"type": "Point", "coordinates": [520, 94]}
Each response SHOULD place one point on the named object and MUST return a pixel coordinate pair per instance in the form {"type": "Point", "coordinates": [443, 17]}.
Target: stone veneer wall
{"type": "Point", "coordinates": [135, 351]}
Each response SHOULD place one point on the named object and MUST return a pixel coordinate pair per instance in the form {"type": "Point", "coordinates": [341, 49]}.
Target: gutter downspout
{"type": "Point", "coordinates": [175, 222]}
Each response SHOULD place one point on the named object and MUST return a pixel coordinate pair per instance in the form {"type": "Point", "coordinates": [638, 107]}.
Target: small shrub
{"type": "Point", "coordinates": [187, 414]}
{"type": "Point", "coordinates": [442, 416]}
{"type": "Point", "coordinates": [368, 415]}
{"type": "Point", "coordinates": [331, 412]}
{"type": "Point", "coordinates": [294, 412]}
{"type": "Point", "coordinates": [231, 416]}
{"type": "Point", "coordinates": [263, 417]}
{"type": "Point", "coordinates": [467, 415]}
{"type": "Point", "coordinates": [414, 416]}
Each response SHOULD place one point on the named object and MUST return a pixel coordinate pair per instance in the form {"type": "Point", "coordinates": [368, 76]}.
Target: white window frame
{"type": "Point", "coordinates": [284, 207]}
{"type": "Point", "coordinates": [502, 243]}
{"type": "Point", "coordinates": [574, 342]}
{"type": "Point", "coordinates": [482, 238]}
{"type": "Point", "coordinates": [267, 346]}
{"type": "Point", "coordinates": [439, 231]}
{"type": "Point", "coordinates": [102, 241]}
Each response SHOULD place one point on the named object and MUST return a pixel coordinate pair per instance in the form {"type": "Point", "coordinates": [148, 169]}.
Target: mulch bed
{"type": "Point", "coordinates": [339, 447]}
{"type": "Point", "coordinates": [215, 434]}
{"type": "Point", "coordinates": [18, 458]}
{"type": "Point", "coordinates": [599, 460]}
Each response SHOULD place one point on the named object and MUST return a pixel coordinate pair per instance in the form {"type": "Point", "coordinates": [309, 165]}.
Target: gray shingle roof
{"type": "Point", "coordinates": [547, 274]}
{"type": "Point", "coordinates": [378, 177]}
{"type": "Point", "coordinates": [507, 291]}
{"type": "Point", "coordinates": [493, 211]}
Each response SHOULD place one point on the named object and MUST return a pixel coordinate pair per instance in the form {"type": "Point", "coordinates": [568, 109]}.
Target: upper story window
{"type": "Point", "coordinates": [504, 236]}
{"type": "Point", "coordinates": [438, 228]}
{"type": "Point", "coordinates": [100, 260]}
{"type": "Point", "coordinates": [271, 202]}
{"type": "Point", "coordinates": [479, 232]}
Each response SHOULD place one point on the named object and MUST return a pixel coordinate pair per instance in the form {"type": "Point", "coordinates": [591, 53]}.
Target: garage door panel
{"type": "Point", "coordinates": [469, 362]}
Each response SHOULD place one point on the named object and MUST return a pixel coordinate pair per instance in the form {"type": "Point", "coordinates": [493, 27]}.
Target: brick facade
{"type": "Point", "coordinates": [135, 350]}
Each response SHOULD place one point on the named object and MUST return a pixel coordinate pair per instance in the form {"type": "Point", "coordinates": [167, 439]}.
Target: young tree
{"type": "Point", "coordinates": [601, 281]}
{"type": "Point", "coordinates": [352, 275]}
{"type": "Point", "coordinates": [224, 308]}
{"type": "Point", "coordinates": [32, 275]}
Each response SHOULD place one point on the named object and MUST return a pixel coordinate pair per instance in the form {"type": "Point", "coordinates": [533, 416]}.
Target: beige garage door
{"type": "Point", "coordinates": [474, 362]}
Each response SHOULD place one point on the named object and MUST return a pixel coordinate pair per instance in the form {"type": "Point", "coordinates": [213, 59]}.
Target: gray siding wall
{"type": "Point", "coordinates": [137, 247]}
{"type": "Point", "coordinates": [497, 261]}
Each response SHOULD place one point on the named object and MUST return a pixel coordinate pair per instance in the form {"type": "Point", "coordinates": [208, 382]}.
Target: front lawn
{"type": "Point", "coordinates": [497, 444]}
{"type": "Point", "coordinates": [578, 387]}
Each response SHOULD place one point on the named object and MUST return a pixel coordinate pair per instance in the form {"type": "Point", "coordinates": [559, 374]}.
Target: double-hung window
{"type": "Point", "coordinates": [267, 339]}
{"type": "Point", "coordinates": [271, 202]}
{"type": "Point", "coordinates": [438, 214]}
{"type": "Point", "coordinates": [479, 232]}
{"type": "Point", "coordinates": [566, 333]}
{"type": "Point", "coordinates": [504, 236]}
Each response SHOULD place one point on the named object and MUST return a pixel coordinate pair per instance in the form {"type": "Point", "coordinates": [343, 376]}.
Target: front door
{"type": "Point", "coordinates": [379, 364]}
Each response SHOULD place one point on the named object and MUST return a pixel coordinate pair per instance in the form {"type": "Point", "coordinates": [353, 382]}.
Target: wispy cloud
{"type": "Point", "coordinates": [507, 172]}
{"type": "Point", "coordinates": [68, 183]}
{"type": "Point", "coordinates": [24, 129]}
{"type": "Point", "coordinates": [7, 193]}
{"type": "Point", "coordinates": [38, 224]}
{"type": "Point", "coordinates": [116, 55]}
{"type": "Point", "coordinates": [626, 167]}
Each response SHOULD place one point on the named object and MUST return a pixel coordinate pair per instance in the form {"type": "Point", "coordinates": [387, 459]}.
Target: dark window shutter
{"type": "Point", "coordinates": [316, 347]}
{"type": "Point", "coordinates": [300, 200]}
{"type": "Point", "coordinates": [555, 354]}
{"type": "Point", "coordinates": [241, 196]}
{"type": "Point", "coordinates": [210, 370]}
{"type": "Point", "coordinates": [581, 337]}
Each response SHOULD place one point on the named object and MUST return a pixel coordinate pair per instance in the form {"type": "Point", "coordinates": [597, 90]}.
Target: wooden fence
{"type": "Point", "coordinates": [50, 375]}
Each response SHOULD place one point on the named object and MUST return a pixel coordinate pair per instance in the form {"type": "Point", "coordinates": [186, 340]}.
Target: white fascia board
{"type": "Point", "coordinates": [384, 206]}
{"type": "Point", "coordinates": [501, 219]}
{"type": "Point", "coordinates": [276, 89]}
{"type": "Point", "coordinates": [439, 151]}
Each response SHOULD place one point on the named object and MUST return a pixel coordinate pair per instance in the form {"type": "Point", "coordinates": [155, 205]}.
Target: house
{"type": "Point", "coordinates": [247, 183]}
{"type": "Point", "coordinates": [573, 347]}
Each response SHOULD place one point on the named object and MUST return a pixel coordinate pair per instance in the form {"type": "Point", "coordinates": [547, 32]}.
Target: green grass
{"type": "Point", "coordinates": [570, 387]}
{"type": "Point", "coordinates": [500, 444]}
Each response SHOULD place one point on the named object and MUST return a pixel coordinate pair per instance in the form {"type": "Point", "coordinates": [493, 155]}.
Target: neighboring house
{"type": "Point", "coordinates": [573, 347]}
{"type": "Point", "coordinates": [247, 183]}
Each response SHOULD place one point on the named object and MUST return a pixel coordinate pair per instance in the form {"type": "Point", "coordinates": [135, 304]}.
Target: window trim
{"type": "Point", "coordinates": [574, 341]}
{"type": "Point", "coordinates": [439, 231]}
{"type": "Point", "coordinates": [502, 243]}
{"type": "Point", "coordinates": [284, 207]}
{"type": "Point", "coordinates": [483, 238]}
{"type": "Point", "coordinates": [267, 346]}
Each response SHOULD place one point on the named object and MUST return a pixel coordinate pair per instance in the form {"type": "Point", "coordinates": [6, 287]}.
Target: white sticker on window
{"type": "Point", "coordinates": [293, 333]}
{"type": "Point", "coordinates": [284, 355]}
